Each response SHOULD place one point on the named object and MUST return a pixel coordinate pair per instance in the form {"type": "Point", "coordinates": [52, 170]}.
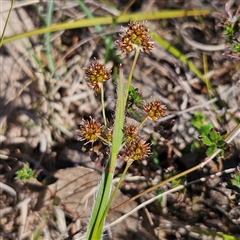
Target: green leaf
{"type": "Point", "coordinates": [101, 205]}
{"type": "Point", "coordinates": [207, 141]}
{"type": "Point", "coordinates": [200, 117]}
{"type": "Point", "coordinates": [210, 150]}
{"type": "Point", "coordinates": [195, 145]}
{"type": "Point", "coordinates": [25, 174]}
{"type": "Point", "coordinates": [135, 97]}
{"type": "Point", "coordinates": [236, 180]}
{"type": "Point", "coordinates": [221, 144]}
{"type": "Point", "coordinates": [214, 135]}
{"type": "Point", "coordinates": [198, 120]}
{"type": "Point", "coordinates": [196, 124]}
{"type": "Point", "coordinates": [133, 113]}
{"type": "Point", "coordinates": [56, 201]}
{"type": "Point", "coordinates": [205, 129]}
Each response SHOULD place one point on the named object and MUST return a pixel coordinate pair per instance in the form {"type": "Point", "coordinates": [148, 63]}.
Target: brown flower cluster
{"type": "Point", "coordinates": [96, 73]}
{"type": "Point", "coordinates": [136, 149]}
{"type": "Point", "coordinates": [107, 132]}
{"type": "Point", "coordinates": [136, 35]}
{"type": "Point", "coordinates": [130, 132]}
{"type": "Point", "coordinates": [155, 110]}
{"type": "Point", "coordinates": [90, 130]}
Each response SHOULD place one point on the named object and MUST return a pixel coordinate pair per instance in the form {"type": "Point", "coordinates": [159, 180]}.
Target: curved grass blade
{"type": "Point", "coordinates": [110, 20]}
{"type": "Point", "coordinates": [6, 22]}
{"type": "Point", "coordinates": [100, 209]}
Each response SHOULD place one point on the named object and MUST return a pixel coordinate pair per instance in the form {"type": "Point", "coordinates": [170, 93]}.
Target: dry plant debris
{"type": "Point", "coordinates": [40, 114]}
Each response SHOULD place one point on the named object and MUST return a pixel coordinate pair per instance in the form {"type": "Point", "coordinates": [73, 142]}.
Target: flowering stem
{"type": "Point", "coordinates": [95, 213]}
{"type": "Point", "coordinates": [103, 108]}
{"type": "Point", "coordinates": [101, 205]}
{"type": "Point", "coordinates": [131, 74]}
{"type": "Point", "coordinates": [129, 162]}
{"type": "Point", "coordinates": [104, 140]}
{"type": "Point", "coordinates": [142, 123]}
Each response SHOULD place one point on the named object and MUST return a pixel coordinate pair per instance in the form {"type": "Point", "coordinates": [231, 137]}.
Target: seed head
{"type": "Point", "coordinates": [90, 130]}
{"type": "Point", "coordinates": [155, 110]}
{"type": "Point", "coordinates": [96, 73]}
{"type": "Point", "coordinates": [136, 149]}
{"type": "Point", "coordinates": [136, 35]}
{"type": "Point", "coordinates": [130, 132]}
{"type": "Point", "coordinates": [107, 132]}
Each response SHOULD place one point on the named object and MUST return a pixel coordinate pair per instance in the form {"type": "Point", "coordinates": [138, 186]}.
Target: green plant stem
{"type": "Point", "coordinates": [117, 141]}
{"type": "Point", "coordinates": [97, 205]}
{"type": "Point", "coordinates": [48, 37]}
{"type": "Point", "coordinates": [142, 123]}
{"type": "Point", "coordinates": [207, 82]}
{"type": "Point", "coordinates": [110, 201]}
{"type": "Point", "coordinates": [104, 140]}
{"type": "Point", "coordinates": [100, 208]}
{"type": "Point", "coordinates": [129, 163]}
{"type": "Point", "coordinates": [107, 39]}
{"type": "Point", "coordinates": [211, 91]}
{"type": "Point", "coordinates": [89, 15]}
{"type": "Point", "coordinates": [131, 74]}
{"type": "Point", "coordinates": [103, 107]}
{"type": "Point", "coordinates": [5, 25]}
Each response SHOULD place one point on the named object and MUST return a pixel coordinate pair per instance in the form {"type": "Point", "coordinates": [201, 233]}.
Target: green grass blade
{"type": "Point", "coordinates": [89, 14]}
{"type": "Point", "coordinates": [98, 203]}
{"type": "Point", "coordinates": [48, 37]}
{"type": "Point", "coordinates": [107, 39]}
{"type": "Point", "coordinates": [116, 144]}
{"type": "Point", "coordinates": [119, 121]}
{"type": "Point", "coordinates": [110, 20]}
{"type": "Point", "coordinates": [5, 25]}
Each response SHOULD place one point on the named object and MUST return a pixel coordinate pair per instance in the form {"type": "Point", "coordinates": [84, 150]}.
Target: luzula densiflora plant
{"type": "Point", "coordinates": [132, 145]}
{"type": "Point", "coordinates": [123, 139]}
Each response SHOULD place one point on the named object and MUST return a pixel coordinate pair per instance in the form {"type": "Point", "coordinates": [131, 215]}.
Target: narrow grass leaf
{"type": "Point", "coordinates": [110, 20]}
{"type": "Point", "coordinates": [48, 37]}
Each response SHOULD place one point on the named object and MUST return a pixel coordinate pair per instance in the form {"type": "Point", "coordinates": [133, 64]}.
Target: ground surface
{"type": "Point", "coordinates": [41, 111]}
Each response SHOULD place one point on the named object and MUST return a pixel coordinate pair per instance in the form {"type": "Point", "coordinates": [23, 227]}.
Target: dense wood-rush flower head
{"type": "Point", "coordinates": [137, 149]}
{"type": "Point", "coordinates": [90, 130]}
{"type": "Point", "coordinates": [155, 110]}
{"type": "Point", "coordinates": [96, 73]}
{"type": "Point", "coordinates": [130, 132]}
{"type": "Point", "coordinates": [136, 35]}
{"type": "Point", "coordinates": [107, 132]}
